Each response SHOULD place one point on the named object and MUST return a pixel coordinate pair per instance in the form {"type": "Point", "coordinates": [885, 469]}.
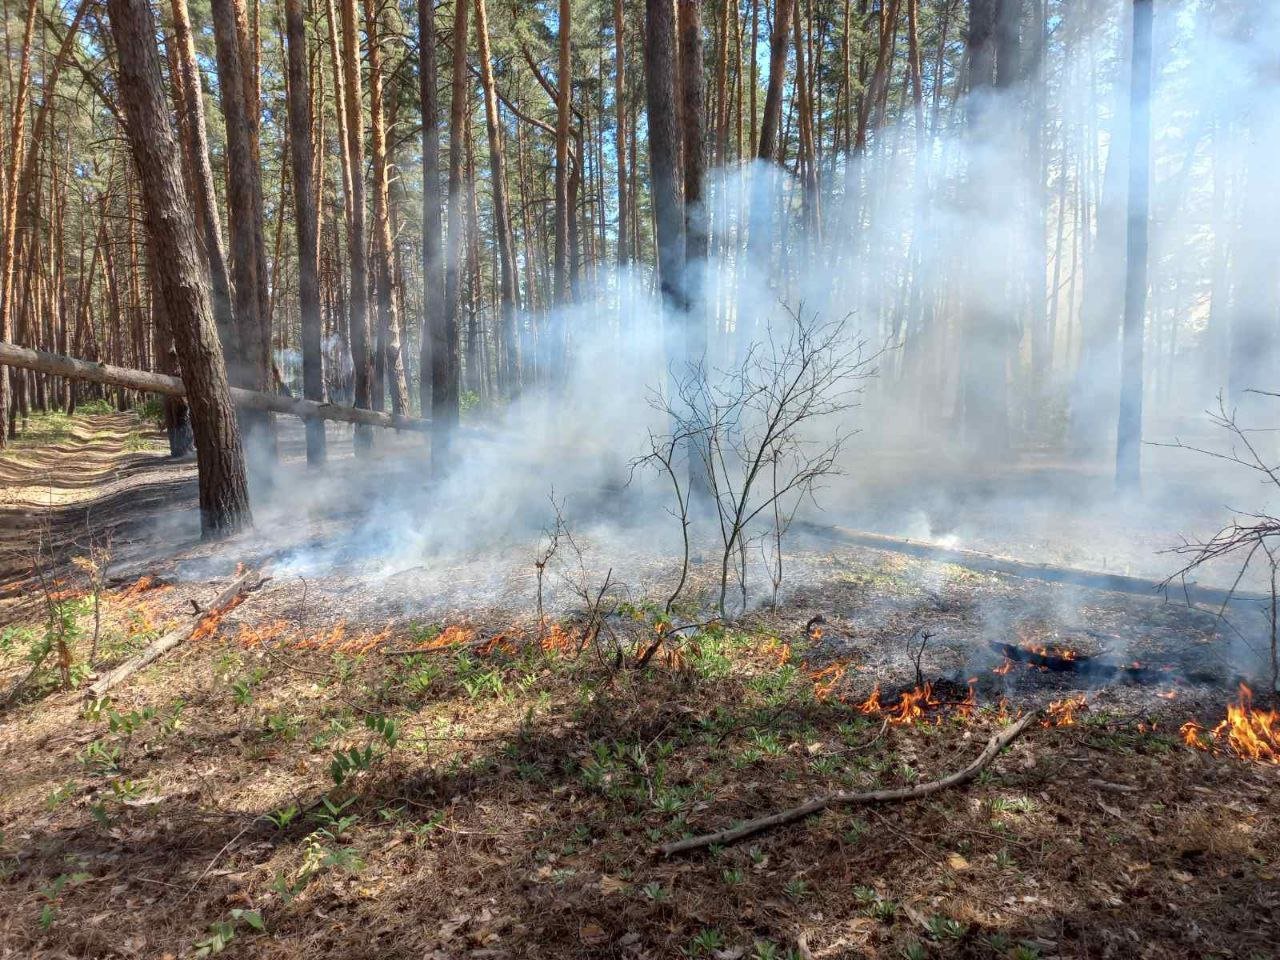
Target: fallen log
{"type": "Point", "coordinates": [846, 798]}
{"type": "Point", "coordinates": [246, 581]}
{"type": "Point", "coordinates": [52, 363]}
{"type": "Point", "coordinates": [1051, 573]}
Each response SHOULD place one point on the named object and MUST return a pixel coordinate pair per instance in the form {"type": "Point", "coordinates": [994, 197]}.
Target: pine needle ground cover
{"type": "Point", "coordinates": [485, 789]}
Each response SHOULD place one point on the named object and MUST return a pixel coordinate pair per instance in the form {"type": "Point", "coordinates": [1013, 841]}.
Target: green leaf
{"type": "Point", "coordinates": [252, 917]}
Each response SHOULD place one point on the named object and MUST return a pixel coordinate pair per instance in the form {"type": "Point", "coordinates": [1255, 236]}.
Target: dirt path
{"type": "Point", "coordinates": [73, 480]}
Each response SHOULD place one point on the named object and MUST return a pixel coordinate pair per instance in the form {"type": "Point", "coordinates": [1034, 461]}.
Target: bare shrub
{"type": "Point", "coordinates": [749, 433]}
{"type": "Point", "coordinates": [1250, 537]}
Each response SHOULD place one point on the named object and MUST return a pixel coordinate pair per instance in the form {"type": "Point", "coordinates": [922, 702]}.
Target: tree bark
{"type": "Point", "coordinates": [435, 342]}
{"type": "Point", "coordinates": [505, 239]}
{"type": "Point", "coordinates": [769, 122]}
{"type": "Point", "coordinates": [306, 222]}
{"type": "Point", "coordinates": [664, 144]}
{"type": "Point", "coordinates": [620, 130]}
{"type": "Point", "coordinates": [390, 354]}
{"type": "Point", "coordinates": [445, 403]}
{"type": "Point", "coordinates": [693, 119]}
{"type": "Point", "coordinates": [147, 381]}
{"type": "Point", "coordinates": [880, 75]}
{"type": "Point", "coordinates": [563, 213]}
{"type": "Point", "coordinates": [251, 367]}
{"type": "Point", "coordinates": [224, 496]}
{"type": "Point", "coordinates": [357, 251]}
{"type": "Point", "coordinates": [1129, 424]}
{"type": "Point", "coordinates": [204, 195]}
{"type": "Point", "coordinates": [8, 240]}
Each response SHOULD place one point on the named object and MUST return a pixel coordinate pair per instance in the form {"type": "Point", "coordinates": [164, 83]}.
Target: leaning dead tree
{"type": "Point", "coordinates": [70, 367]}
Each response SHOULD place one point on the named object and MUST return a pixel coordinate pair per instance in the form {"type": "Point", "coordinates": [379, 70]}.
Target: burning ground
{"type": "Point", "coordinates": [372, 758]}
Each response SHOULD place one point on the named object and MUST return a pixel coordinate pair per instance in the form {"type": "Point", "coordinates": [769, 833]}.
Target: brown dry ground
{"type": "Point", "coordinates": [517, 811]}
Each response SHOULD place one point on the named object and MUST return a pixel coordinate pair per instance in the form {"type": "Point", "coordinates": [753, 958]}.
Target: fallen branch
{"type": "Point", "coordinates": [248, 580]}
{"type": "Point", "coordinates": [844, 798]}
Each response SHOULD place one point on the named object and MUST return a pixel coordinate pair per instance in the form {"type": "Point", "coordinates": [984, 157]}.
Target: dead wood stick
{"type": "Point", "coordinates": [248, 580]}
{"type": "Point", "coordinates": [845, 798]}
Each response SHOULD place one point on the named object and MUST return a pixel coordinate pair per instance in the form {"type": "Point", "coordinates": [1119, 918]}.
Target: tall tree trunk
{"type": "Point", "coordinates": [305, 218]}
{"type": "Point", "coordinates": [28, 195]}
{"type": "Point", "coordinates": [753, 60]}
{"type": "Point", "coordinates": [177, 413]}
{"type": "Point", "coordinates": [769, 122]}
{"type": "Point", "coordinates": [806, 162]}
{"type": "Point", "coordinates": [8, 222]}
{"type": "Point", "coordinates": [696, 221]}
{"type": "Point", "coordinates": [224, 497]}
{"type": "Point", "coordinates": [434, 347]}
{"type": "Point", "coordinates": [564, 214]}
{"type": "Point", "coordinates": [880, 75]}
{"type": "Point", "coordinates": [693, 118]}
{"type": "Point", "coordinates": [445, 402]}
{"type": "Point", "coordinates": [357, 250]}
{"type": "Point", "coordinates": [1008, 30]}
{"type": "Point", "coordinates": [204, 195]}
{"type": "Point", "coordinates": [983, 401]}
{"type": "Point", "coordinates": [664, 145]}
{"type": "Point", "coordinates": [340, 107]}
{"type": "Point", "coordinates": [620, 131]}
{"type": "Point", "coordinates": [252, 366]}
{"type": "Point", "coordinates": [505, 239]}
{"type": "Point", "coordinates": [764, 180]}
{"type": "Point", "coordinates": [1129, 424]}
{"type": "Point", "coordinates": [392, 358]}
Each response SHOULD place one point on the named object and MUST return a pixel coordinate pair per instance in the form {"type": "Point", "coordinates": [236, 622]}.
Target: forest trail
{"type": "Point", "coordinates": [71, 480]}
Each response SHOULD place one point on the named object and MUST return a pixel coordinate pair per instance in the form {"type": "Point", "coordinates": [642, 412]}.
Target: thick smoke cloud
{"type": "Point", "coordinates": [946, 246]}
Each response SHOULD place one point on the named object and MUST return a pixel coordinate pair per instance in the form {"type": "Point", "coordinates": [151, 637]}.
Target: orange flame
{"type": "Point", "coordinates": [451, 636]}
{"type": "Point", "coordinates": [1190, 733]}
{"type": "Point", "coordinates": [913, 705]}
{"type": "Point", "coordinates": [210, 622]}
{"type": "Point", "coordinates": [826, 680]}
{"type": "Point", "coordinates": [1247, 733]}
{"type": "Point", "coordinates": [1058, 653]}
{"type": "Point", "coordinates": [558, 640]}
{"type": "Point", "coordinates": [1004, 668]}
{"type": "Point", "coordinates": [251, 636]}
{"type": "Point", "coordinates": [1063, 713]}
{"type": "Point", "coordinates": [777, 650]}
{"type": "Point", "coordinates": [143, 584]}
{"type": "Point", "coordinates": [871, 705]}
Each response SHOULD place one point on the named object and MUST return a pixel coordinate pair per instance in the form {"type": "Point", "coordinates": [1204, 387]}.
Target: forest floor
{"type": "Point", "coordinates": [351, 764]}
